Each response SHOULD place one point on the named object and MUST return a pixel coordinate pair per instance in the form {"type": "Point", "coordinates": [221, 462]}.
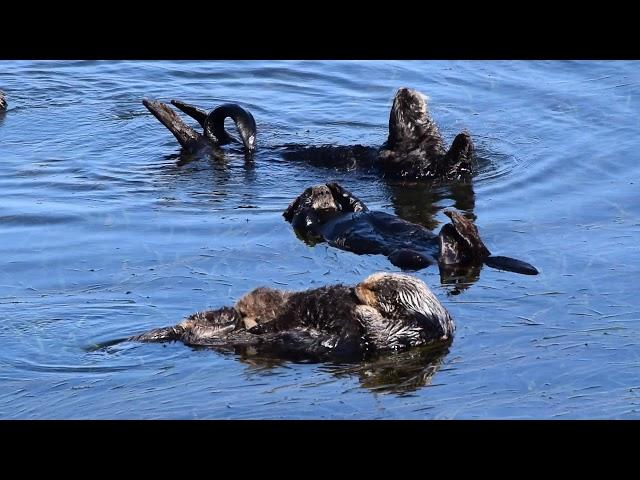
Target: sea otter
{"type": "Point", "coordinates": [384, 312]}
{"type": "Point", "coordinates": [214, 133]}
{"type": "Point", "coordinates": [3, 102]}
{"type": "Point", "coordinates": [330, 213]}
{"type": "Point", "coordinates": [414, 149]}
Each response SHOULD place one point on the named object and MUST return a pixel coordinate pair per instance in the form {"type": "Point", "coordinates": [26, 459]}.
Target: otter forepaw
{"type": "Point", "coordinates": [348, 201]}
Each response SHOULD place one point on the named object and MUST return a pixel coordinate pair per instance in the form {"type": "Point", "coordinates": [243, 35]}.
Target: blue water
{"type": "Point", "coordinates": [104, 234]}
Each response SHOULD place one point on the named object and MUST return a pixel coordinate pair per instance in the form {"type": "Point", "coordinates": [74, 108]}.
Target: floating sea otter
{"type": "Point", "coordinates": [414, 148]}
{"type": "Point", "coordinates": [214, 134]}
{"type": "Point", "coordinates": [385, 312]}
{"type": "Point", "coordinates": [332, 214]}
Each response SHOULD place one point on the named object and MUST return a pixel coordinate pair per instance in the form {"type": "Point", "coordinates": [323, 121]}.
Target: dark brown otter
{"type": "Point", "coordinates": [385, 312]}
{"type": "Point", "coordinates": [330, 213]}
{"type": "Point", "coordinates": [414, 149]}
{"type": "Point", "coordinates": [214, 134]}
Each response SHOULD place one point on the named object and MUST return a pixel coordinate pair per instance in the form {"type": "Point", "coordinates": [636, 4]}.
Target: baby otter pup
{"type": "Point", "coordinates": [214, 133]}
{"type": "Point", "coordinates": [385, 312]}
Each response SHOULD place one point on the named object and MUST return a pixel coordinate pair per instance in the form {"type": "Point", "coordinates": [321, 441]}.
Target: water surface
{"type": "Point", "coordinates": [104, 235]}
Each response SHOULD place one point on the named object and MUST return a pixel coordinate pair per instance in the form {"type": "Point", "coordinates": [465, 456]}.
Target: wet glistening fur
{"type": "Point", "coordinates": [384, 312]}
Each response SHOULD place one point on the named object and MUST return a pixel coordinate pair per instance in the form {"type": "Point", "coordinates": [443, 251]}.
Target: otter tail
{"type": "Point", "coordinates": [245, 123]}
{"type": "Point", "coordinates": [510, 265]}
{"type": "Point", "coordinates": [165, 334]}
{"type": "Point", "coordinates": [186, 135]}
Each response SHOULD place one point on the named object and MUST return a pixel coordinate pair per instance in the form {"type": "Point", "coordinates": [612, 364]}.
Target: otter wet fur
{"type": "Point", "coordinates": [384, 312]}
{"type": "Point", "coordinates": [214, 134]}
{"type": "Point", "coordinates": [330, 213]}
{"type": "Point", "coordinates": [414, 149]}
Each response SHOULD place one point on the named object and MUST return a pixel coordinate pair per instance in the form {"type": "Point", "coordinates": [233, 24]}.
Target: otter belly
{"type": "Point", "coordinates": [379, 233]}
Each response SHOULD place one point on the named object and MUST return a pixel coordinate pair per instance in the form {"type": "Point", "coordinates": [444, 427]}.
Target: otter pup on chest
{"type": "Point", "coordinates": [330, 213]}
{"type": "Point", "coordinates": [384, 312]}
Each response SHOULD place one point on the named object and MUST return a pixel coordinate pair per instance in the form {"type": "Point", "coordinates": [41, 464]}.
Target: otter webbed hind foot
{"type": "Point", "coordinates": [457, 162]}
{"type": "Point", "coordinates": [467, 234]}
{"type": "Point", "coordinates": [212, 124]}
{"type": "Point", "coordinates": [186, 136]}
{"type": "Point", "coordinates": [194, 112]}
{"type": "Point", "coordinates": [165, 334]}
{"type": "Point", "coordinates": [202, 328]}
{"type": "Point", "coordinates": [460, 243]}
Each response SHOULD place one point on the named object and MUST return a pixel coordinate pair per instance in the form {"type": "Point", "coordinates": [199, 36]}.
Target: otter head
{"type": "Point", "coordinates": [407, 304]}
{"type": "Point", "coordinates": [315, 206]}
{"type": "Point", "coordinates": [409, 120]}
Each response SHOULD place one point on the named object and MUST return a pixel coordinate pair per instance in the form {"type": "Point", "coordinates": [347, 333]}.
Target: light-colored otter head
{"type": "Point", "coordinates": [409, 121]}
{"type": "Point", "coordinates": [406, 299]}
{"type": "Point", "coordinates": [314, 206]}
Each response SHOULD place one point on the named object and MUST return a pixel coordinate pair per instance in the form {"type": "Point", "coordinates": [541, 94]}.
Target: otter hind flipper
{"type": "Point", "coordinates": [460, 243]}
{"type": "Point", "coordinates": [201, 328]}
{"type": "Point", "coordinates": [458, 159]}
{"type": "Point", "coordinates": [186, 136]}
{"type": "Point", "coordinates": [165, 334]}
{"type": "Point", "coordinates": [511, 265]}
{"type": "Point", "coordinates": [468, 235]}
{"type": "Point", "coordinates": [194, 112]}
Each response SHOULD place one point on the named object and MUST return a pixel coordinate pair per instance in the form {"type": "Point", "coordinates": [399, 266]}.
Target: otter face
{"type": "Point", "coordinates": [409, 120]}
{"type": "Point", "coordinates": [314, 206]}
{"type": "Point", "coordinates": [405, 299]}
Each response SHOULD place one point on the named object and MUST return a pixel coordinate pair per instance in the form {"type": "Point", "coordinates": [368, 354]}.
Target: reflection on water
{"type": "Point", "coordinates": [399, 373]}
{"type": "Point", "coordinates": [420, 202]}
